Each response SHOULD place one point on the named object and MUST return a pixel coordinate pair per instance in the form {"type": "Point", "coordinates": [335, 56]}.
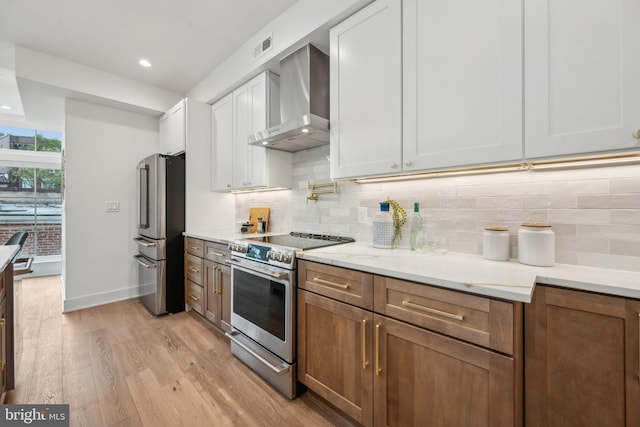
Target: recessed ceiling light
{"type": "Point", "coordinates": [6, 107]}
{"type": "Point", "coordinates": [145, 63]}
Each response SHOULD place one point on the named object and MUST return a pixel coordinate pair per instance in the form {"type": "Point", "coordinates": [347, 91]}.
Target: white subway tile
{"type": "Point", "coordinates": [579, 216]}
{"type": "Point", "coordinates": [609, 201]}
{"type": "Point", "coordinates": [625, 216]}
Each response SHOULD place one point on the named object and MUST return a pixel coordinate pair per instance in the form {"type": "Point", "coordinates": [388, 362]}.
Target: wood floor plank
{"type": "Point", "coordinates": [155, 408]}
{"type": "Point", "coordinates": [113, 395]}
{"type": "Point", "coordinates": [118, 365]}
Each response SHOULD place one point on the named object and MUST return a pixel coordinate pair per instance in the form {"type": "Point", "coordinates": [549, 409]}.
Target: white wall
{"type": "Point", "coordinates": [102, 146]}
{"type": "Point", "coordinates": [292, 27]}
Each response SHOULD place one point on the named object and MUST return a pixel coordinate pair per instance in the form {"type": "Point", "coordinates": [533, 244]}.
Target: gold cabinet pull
{"type": "Point", "coordinates": [214, 253]}
{"type": "Point", "coordinates": [219, 281]}
{"type": "Point", "coordinates": [2, 338]}
{"type": "Point", "coordinates": [195, 270]}
{"type": "Point", "coordinates": [193, 297]}
{"type": "Point", "coordinates": [378, 370]}
{"type": "Point", "coordinates": [364, 344]}
{"type": "Point", "coordinates": [195, 248]}
{"type": "Point", "coordinates": [326, 282]}
{"type": "Point", "coordinates": [430, 310]}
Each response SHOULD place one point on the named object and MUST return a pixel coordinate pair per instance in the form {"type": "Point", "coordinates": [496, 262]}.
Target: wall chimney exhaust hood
{"type": "Point", "coordinates": [304, 103]}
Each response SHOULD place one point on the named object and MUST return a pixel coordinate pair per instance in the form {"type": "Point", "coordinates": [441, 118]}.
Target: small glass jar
{"type": "Point", "coordinates": [383, 230]}
{"type": "Point", "coordinates": [495, 243]}
{"type": "Point", "coordinates": [536, 245]}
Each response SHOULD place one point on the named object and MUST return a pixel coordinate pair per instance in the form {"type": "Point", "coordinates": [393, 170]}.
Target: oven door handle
{"type": "Point", "coordinates": [278, 276]}
{"type": "Point", "coordinates": [279, 370]}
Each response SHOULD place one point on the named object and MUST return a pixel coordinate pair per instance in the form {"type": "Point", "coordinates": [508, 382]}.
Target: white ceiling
{"type": "Point", "coordinates": [183, 39]}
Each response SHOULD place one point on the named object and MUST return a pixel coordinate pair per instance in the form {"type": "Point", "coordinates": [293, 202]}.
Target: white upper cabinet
{"type": "Point", "coordinates": [366, 90]}
{"type": "Point", "coordinates": [462, 83]}
{"type": "Point", "coordinates": [173, 130]}
{"type": "Point", "coordinates": [582, 76]}
{"type": "Point", "coordinates": [222, 144]}
{"type": "Point", "coordinates": [236, 165]}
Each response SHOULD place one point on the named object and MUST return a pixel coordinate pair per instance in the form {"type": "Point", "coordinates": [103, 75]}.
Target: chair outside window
{"type": "Point", "coordinates": [20, 265]}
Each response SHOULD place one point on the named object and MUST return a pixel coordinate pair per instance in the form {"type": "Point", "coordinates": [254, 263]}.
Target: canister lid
{"type": "Point", "coordinates": [496, 229]}
{"type": "Point", "coordinates": [536, 225]}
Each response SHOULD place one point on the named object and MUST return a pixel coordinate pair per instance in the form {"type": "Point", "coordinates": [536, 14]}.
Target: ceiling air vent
{"type": "Point", "coordinates": [262, 47]}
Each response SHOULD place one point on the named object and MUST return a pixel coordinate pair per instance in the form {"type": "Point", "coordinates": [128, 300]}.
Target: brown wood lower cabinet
{"type": "Point", "coordinates": [386, 372]}
{"type": "Point", "coordinates": [582, 359]}
{"type": "Point", "coordinates": [218, 294]}
{"type": "Point", "coordinates": [335, 351]}
{"type": "Point", "coordinates": [426, 379]}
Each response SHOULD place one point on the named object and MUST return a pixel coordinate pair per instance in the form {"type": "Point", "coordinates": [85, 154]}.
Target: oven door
{"type": "Point", "coordinates": [263, 306]}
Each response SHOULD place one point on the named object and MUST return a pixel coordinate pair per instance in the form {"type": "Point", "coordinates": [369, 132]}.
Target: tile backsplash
{"type": "Point", "coordinates": [595, 212]}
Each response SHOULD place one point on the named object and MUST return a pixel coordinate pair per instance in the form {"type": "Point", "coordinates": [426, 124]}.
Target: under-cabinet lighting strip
{"type": "Point", "coordinates": [632, 158]}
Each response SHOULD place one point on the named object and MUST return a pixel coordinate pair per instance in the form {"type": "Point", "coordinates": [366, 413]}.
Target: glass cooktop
{"type": "Point", "coordinates": [302, 241]}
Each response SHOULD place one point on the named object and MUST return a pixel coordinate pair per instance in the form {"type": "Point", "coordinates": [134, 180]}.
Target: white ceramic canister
{"type": "Point", "coordinates": [536, 245]}
{"type": "Point", "coordinates": [495, 243]}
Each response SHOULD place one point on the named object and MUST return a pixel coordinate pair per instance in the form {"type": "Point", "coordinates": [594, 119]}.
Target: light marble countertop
{"type": "Point", "coordinates": [6, 254]}
{"type": "Point", "coordinates": [508, 280]}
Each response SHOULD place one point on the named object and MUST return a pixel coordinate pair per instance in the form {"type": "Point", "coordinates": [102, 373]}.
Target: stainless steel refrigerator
{"type": "Point", "coordinates": [161, 181]}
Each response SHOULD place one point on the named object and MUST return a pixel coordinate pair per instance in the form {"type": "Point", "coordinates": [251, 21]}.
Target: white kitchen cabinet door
{"type": "Point", "coordinates": [222, 144]}
{"type": "Point", "coordinates": [172, 130]}
{"type": "Point", "coordinates": [582, 76]}
{"type": "Point", "coordinates": [257, 121]}
{"type": "Point", "coordinates": [366, 92]}
{"type": "Point", "coordinates": [462, 83]}
{"type": "Point", "coordinates": [241, 152]}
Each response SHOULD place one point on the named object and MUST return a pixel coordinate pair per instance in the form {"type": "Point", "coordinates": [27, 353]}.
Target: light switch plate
{"type": "Point", "coordinates": [112, 206]}
{"type": "Point", "coordinates": [362, 215]}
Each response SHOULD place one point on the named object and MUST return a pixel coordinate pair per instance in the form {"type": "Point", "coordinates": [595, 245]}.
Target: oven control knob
{"type": "Point", "coordinates": [271, 255]}
{"type": "Point", "coordinates": [243, 248]}
{"type": "Point", "coordinates": [286, 258]}
{"type": "Point", "coordinates": [278, 256]}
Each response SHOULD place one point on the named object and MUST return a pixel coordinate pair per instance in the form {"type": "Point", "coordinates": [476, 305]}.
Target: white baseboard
{"type": "Point", "coordinates": [87, 301]}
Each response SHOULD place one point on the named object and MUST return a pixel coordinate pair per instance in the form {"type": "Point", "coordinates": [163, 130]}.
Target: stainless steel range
{"type": "Point", "coordinates": [263, 303]}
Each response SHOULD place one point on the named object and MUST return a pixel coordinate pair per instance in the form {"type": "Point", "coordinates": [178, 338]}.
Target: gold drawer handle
{"type": "Point", "coordinates": [364, 344]}
{"type": "Point", "coordinates": [195, 248]}
{"type": "Point", "coordinates": [193, 297]}
{"type": "Point", "coordinates": [3, 361]}
{"type": "Point", "coordinates": [326, 282]}
{"type": "Point", "coordinates": [378, 370]}
{"type": "Point", "coordinates": [214, 253]}
{"type": "Point", "coordinates": [195, 270]}
{"type": "Point", "coordinates": [409, 304]}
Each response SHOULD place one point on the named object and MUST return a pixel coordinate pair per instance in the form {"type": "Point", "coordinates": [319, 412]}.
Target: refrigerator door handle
{"type": "Point", "coordinates": [143, 195]}
{"type": "Point", "coordinates": [140, 259]}
{"type": "Point", "coordinates": [145, 242]}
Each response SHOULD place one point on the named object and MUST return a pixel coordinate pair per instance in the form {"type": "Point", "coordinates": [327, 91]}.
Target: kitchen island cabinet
{"type": "Point", "coordinates": [582, 359]}
{"type": "Point", "coordinates": [405, 365]}
{"type": "Point", "coordinates": [7, 359]}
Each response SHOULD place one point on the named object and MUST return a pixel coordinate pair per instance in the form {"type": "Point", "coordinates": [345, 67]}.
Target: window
{"type": "Point", "coordinates": [30, 189]}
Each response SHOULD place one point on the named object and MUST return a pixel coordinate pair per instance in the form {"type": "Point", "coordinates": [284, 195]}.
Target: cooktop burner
{"type": "Point", "coordinates": [302, 241]}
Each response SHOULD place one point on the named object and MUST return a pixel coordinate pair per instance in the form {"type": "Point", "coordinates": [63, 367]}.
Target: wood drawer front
{"type": "Point", "coordinates": [342, 284]}
{"type": "Point", "coordinates": [193, 268]}
{"type": "Point", "coordinates": [194, 246]}
{"type": "Point", "coordinates": [478, 320]}
{"type": "Point", "coordinates": [218, 252]}
{"type": "Point", "coordinates": [194, 296]}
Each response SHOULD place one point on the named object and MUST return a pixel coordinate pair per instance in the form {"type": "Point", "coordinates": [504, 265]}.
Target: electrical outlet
{"type": "Point", "coordinates": [362, 215]}
{"type": "Point", "coordinates": [112, 206]}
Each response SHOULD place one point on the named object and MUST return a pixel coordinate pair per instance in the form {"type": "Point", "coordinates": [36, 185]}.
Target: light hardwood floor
{"type": "Point", "coordinates": [116, 365]}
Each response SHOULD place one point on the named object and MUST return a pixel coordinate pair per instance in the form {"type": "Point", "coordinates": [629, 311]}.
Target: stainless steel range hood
{"type": "Point", "coordinates": [304, 103]}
